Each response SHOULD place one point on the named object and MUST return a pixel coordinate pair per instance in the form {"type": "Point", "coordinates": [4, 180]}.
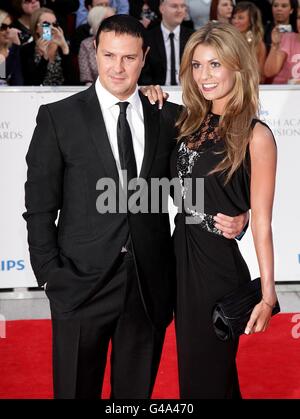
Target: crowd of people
{"type": "Point", "coordinates": [51, 42]}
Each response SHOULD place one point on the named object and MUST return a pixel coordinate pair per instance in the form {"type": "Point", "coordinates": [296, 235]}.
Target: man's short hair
{"type": "Point", "coordinates": [88, 3]}
{"type": "Point", "coordinates": [123, 25]}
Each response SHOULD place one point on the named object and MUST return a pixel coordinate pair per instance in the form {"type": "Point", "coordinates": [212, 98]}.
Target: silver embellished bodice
{"type": "Point", "coordinates": [190, 150]}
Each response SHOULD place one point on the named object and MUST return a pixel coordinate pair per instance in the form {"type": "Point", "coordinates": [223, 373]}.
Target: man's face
{"type": "Point", "coordinates": [173, 12]}
{"type": "Point", "coordinates": [104, 3]}
{"type": "Point", "coordinates": [120, 60]}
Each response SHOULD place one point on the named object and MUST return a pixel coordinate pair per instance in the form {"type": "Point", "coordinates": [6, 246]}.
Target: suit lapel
{"type": "Point", "coordinates": [161, 49]}
{"type": "Point", "coordinates": [182, 41]}
{"type": "Point", "coordinates": [95, 123]}
{"type": "Point", "coordinates": [151, 123]}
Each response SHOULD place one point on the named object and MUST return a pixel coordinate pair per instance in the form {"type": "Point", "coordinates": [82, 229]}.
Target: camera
{"type": "Point", "coordinates": [284, 28]}
{"type": "Point", "coordinates": [47, 33]}
{"type": "Point", "coordinates": [148, 14]}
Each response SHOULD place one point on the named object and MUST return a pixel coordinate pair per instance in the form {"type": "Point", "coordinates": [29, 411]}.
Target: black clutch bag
{"type": "Point", "coordinates": [232, 313]}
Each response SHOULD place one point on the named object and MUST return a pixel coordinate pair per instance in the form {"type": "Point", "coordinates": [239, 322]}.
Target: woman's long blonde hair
{"type": "Point", "coordinates": [242, 106]}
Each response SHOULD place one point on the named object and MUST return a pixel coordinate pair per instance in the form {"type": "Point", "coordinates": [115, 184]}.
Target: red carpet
{"type": "Point", "coordinates": [269, 363]}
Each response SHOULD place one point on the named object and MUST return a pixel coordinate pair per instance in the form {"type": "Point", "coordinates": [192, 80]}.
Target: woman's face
{"type": "Point", "coordinates": [241, 21]}
{"type": "Point", "coordinates": [281, 10]}
{"type": "Point", "coordinates": [29, 6]}
{"type": "Point", "coordinates": [224, 10]}
{"type": "Point", "coordinates": [45, 17]}
{"type": "Point", "coordinates": [214, 80]}
{"type": "Point", "coordinates": [4, 30]}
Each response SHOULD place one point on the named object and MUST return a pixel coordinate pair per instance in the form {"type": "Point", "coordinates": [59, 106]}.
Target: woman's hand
{"type": "Point", "coordinates": [145, 22]}
{"type": "Point", "coordinates": [13, 36]}
{"type": "Point", "coordinates": [154, 94]}
{"type": "Point", "coordinates": [276, 36]}
{"type": "Point", "coordinates": [42, 48]}
{"type": "Point", "coordinates": [261, 315]}
{"type": "Point", "coordinates": [59, 39]}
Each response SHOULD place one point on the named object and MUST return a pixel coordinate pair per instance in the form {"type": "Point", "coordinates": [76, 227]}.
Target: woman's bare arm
{"type": "Point", "coordinates": [263, 155]}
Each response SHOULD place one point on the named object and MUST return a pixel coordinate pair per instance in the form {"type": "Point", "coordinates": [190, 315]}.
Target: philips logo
{"type": "Point", "coordinates": [9, 265]}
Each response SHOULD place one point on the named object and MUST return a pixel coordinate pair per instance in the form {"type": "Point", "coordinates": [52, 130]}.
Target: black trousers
{"type": "Point", "coordinates": [81, 338]}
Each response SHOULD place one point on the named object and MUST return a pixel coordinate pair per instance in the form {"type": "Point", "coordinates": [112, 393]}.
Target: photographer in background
{"type": "Point", "coordinates": [283, 61]}
{"type": "Point", "coordinates": [147, 11]}
{"type": "Point", "coordinates": [10, 73]}
{"type": "Point", "coordinates": [46, 60]}
{"type": "Point", "coordinates": [284, 13]}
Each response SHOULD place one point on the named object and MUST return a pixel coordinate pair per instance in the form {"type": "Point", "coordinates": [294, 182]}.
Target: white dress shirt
{"type": "Point", "coordinates": [167, 42]}
{"type": "Point", "coordinates": [135, 117]}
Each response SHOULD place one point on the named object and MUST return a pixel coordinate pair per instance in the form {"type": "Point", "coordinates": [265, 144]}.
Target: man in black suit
{"type": "Point", "coordinates": [167, 42]}
{"type": "Point", "coordinates": [109, 275]}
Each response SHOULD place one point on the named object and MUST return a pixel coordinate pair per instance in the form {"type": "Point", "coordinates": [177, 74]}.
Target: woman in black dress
{"type": "Point", "coordinates": [222, 141]}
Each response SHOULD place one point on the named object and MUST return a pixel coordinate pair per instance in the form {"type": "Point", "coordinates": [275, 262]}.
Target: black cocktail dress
{"type": "Point", "coordinates": [208, 265]}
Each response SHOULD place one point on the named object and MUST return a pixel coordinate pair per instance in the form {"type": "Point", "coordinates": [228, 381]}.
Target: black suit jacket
{"type": "Point", "coordinates": [155, 69]}
{"type": "Point", "coordinates": [68, 154]}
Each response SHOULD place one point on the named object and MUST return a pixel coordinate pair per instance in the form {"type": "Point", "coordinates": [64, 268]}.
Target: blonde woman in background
{"type": "Point", "coordinates": [10, 70]}
{"type": "Point", "coordinates": [222, 141]}
{"type": "Point", "coordinates": [247, 19]}
{"type": "Point", "coordinates": [87, 56]}
{"type": "Point", "coordinates": [46, 61]}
